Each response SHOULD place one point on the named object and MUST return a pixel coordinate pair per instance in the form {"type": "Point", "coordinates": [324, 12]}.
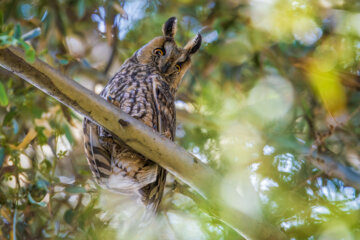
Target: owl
{"type": "Point", "coordinates": [145, 88]}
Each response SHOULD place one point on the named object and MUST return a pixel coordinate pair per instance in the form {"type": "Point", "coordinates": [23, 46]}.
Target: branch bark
{"type": "Point", "coordinates": [335, 169]}
{"type": "Point", "coordinates": [137, 135]}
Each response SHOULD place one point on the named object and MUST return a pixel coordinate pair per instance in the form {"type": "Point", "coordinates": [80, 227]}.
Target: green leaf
{"type": "Point", "coordinates": [1, 18]}
{"type": "Point", "coordinates": [42, 184]}
{"type": "Point", "coordinates": [63, 61]}
{"type": "Point", "coordinates": [41, 204]}
{"type": "Point", "coordinates": [68, 134]}
{"type": "Point", "coordinates": [4, 101]}
{"type": "Point", "coordinates": [5, 40]}
{"type": "Point", "coordinates": [45, 165]}
{"type": "Point", "coordinates": [41, 136]}
{"type": "Point", "coordinates": [17, 33]}
{"type": "Point", "coordinates": [81, 8]}
{"type": "Point", "coordinates": [9, 83]}
{"type": "Point", "coordinates": [9, 116]}
{"type": "Point", "coordinates": [15, 126]}
{"type": "Point", "coordinates": [30, 55]}
{"type": "Point", "coordinates": [73, 115]}
{"type": "Point", "coordinates": [75, 189]}
{"type": "Point", "coordinates": [68, 216]}
{"type": "Point", "coordinates": [36, 112]}
{"type": "Point", "coordinates": [29, 51]}
{"type": "Point", "coordinates": [2, 156]}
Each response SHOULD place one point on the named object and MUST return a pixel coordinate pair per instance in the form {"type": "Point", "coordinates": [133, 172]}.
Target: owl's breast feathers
{"type": "Point", "coordinates": [141, 92]}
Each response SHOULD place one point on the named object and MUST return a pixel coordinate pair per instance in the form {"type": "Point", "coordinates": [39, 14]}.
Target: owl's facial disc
{"type": "Point", "coordinates": [171, 54]}
{"type": "Point", "coordinates": [162, 52]}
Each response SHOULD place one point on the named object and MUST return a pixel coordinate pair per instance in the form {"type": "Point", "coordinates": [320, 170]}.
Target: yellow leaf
{"type": "Point", "coordinates": [4, 212]}
{"type": "Point", "coordinates": [328, 88]}
{"type": "Point", "coordinates": [27, 139]}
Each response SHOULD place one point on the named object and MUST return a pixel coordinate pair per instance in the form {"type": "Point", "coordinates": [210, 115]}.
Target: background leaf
{"type": "Point", "coordinates": [4, 101]}
{"type": "Point", "coordinates": [75, 189]}
{"type": "Point", "coordinates": [41, 204]}
{"type": "Point", "coordinates": [2, 156]}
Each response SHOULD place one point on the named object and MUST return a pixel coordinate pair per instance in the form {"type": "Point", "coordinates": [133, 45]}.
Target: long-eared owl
{"type": "Point", "coordinates": [145, 88]}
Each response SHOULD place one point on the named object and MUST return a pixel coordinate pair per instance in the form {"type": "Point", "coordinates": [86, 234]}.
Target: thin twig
{"type": "Point", "coordinates": [113, 51]}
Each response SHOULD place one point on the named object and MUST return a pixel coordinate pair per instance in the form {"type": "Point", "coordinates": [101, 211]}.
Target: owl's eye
{"type": "Point", "coordinates": [178, 67]}
{"type": "Point", "coordinates": [159, 51]}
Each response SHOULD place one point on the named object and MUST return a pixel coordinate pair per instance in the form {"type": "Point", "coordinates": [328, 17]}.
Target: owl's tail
{"type": "Point", "coordinates": [152, 193]}
{"type": "Point", "coordinates": [98, 157]}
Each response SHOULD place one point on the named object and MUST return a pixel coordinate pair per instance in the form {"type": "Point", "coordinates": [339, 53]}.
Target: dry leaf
{"type": "Point", "coordinates": [27, 139]}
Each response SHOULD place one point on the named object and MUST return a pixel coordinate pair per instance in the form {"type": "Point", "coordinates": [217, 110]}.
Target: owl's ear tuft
{"type": "Point", "coordinates": [193, 45]}
{"type": "Point", "coordinates": [169, 28]}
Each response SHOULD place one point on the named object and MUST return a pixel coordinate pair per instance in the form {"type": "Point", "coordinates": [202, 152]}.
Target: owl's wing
{"type": "Point", "coordinates": [166, 125]}
{"type": "Point", "coordinates": [97, 154]}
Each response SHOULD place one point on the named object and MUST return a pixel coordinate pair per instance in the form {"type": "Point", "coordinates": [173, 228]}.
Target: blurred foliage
{"type": "Point", "coordinates": [274, 80]}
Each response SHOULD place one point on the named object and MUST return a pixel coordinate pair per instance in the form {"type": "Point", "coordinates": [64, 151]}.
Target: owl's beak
{"type": "Point", "coordinates": [165, 68]}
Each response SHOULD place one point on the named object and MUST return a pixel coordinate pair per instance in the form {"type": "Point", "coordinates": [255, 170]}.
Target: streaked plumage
{"type": "Point", "coordinates": [144, 88]}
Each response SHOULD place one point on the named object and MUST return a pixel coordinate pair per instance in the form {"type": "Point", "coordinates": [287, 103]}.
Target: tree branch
{"type": "Point", "coordinates": [334, 169]}
{"type": "Point", "coordinates": [137, 135]}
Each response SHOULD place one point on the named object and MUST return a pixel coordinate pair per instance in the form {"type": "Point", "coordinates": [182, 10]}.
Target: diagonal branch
{"type": "Point", "coordinates": [335, 169]}
{"type": "Point", "coordinates": [137, 135]}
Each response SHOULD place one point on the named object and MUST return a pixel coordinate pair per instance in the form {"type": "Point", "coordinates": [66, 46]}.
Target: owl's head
{"type": "Point", "coordinates": [170, 60]}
